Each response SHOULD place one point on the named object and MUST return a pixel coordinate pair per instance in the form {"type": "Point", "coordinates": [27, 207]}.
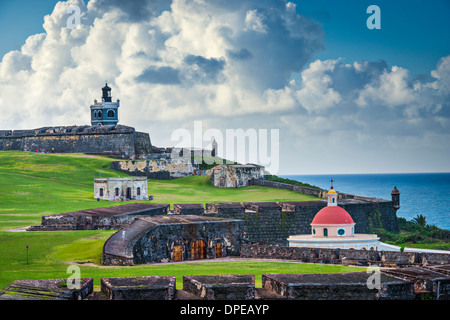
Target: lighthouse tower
{"type": "Point", "coordinates": [105, 112]}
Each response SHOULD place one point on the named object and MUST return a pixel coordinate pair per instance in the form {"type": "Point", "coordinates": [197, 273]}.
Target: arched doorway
{"type": "Point", "coordinates": [198, 250]}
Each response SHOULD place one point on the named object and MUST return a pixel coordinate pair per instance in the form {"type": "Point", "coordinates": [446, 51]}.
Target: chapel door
{"type": "Point", "coordinates": [128, 193]}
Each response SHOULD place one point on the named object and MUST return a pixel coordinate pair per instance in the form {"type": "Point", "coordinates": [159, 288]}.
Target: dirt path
{"type": "Point", "coordinates": [23, 229]}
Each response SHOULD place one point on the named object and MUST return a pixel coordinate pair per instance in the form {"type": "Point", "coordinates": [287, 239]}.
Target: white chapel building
{"type": "Point", "coordinates": [333, 227]}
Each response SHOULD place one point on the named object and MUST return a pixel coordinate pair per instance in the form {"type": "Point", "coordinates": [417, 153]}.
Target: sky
{"type": "Point", "coordinates": [337, 96]}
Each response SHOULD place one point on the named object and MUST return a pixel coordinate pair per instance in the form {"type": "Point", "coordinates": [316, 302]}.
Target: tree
{"type": "Point", "coordinates": [420, 220]}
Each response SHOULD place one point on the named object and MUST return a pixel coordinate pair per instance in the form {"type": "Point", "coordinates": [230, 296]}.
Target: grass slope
{"type": "Point", "coordinates": [32, 185]}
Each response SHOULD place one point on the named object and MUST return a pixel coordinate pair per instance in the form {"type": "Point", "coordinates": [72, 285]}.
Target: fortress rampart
{"type": "Point", "coordinates": [109, 140]}
{"type": "Point", "coordinates": [345, 256]}
{"type": "Point", "coordinates": [273, 222]}
{"type": "Point", "coordinates": [268, 222]}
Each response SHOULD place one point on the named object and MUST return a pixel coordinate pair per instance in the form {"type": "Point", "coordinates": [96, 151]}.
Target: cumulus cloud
{"type": "Point", "coordinates": [370, 115]}
{"type": "Point", "coordinates": [207, 51]}
{"type": "Point", "coordinates": [254, 21]}
{"type": "Point", "coordinates": [316, 93]}
{"type": "Point", "coordinates": [391, 88]}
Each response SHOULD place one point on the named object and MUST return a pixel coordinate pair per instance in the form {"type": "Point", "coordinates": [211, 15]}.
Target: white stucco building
{"type": "Point", "coordinates": [333, 227]}
{"type": "Point", "coordinates": [116, 188]}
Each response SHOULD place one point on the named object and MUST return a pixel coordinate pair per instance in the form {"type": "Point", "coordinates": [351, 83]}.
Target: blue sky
{"type": "Point", "coordinates": [370, 101]}
{"type": "Point", "coordinates": [414, 33]}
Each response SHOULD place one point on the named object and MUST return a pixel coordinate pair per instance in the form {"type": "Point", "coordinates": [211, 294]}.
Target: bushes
{"type": "Point", "coordinates": [289, 181]}
{"type": "Point", "coordinates": [417, 232]}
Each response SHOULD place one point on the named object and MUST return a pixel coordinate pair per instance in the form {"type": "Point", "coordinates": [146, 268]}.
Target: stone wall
{"type": "Point", "coordinates": [234, 176]}
{"type": "Point", "coordinates": [368, 213]}
{"type": "Point", "coordinates": [138, 288]}
{"type": "Point", "coordinates": [109, 218]}
{"type": "Point", "coordinates": [273, 222]}
{"type": "Point", "coordinates": [268, 222]}
{"type": "Point", "coordinates": [188, 208]}
{"type": "Point", "coordinates": [174, 238]}
{"type": "Point", "coordinates": [155, 169]}
{"type": "Point", "coordinates": [337, 286]}
{"type": "Point", "coordinates": [142, 143]}
{"type": "Point", "coordinates": [158, 244]}
{"type": "Point", "coordinates": [221, 287]}
{"type": "Point", "coordinates": [320, 193]}
{"type": "Point", "coordinates": [110, 140]}
{"type": "Point", "coordinates": [341, 256]}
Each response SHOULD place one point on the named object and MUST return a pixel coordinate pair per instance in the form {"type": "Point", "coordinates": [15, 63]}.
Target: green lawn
{"type": "Point", "coordinates": [33, 185]}
{"type": "Point", "coordinates": [50, 254]}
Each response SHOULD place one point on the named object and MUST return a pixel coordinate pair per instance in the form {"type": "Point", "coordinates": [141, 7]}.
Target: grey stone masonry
{"type": "Point", "coordinates": [344, 256]}
{"type": "Point", "coordinates": [108, 218]}
{"type": "Point", "coordinates": [337, 286]}
{"type": "Point", "coordinates": [109, 140]}
{"type": "Point", "coordinates": [51, 289]}
{"type": "Point", "coordinates": [188, 208]}
{"type": "Point", "coordinates": [174, 238]}
{"type": "Point", "coordinates": [221, 287]}
{"type": "Point", "coordinates": [368, 213]}
{"type": "Point", "coordinates": [426, 280]}
{"type": "Point", "coordinates": [139, 288]}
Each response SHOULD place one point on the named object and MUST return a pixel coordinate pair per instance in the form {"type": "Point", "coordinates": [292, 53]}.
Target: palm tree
{"type": "Point", "coordinates": [420, 220]}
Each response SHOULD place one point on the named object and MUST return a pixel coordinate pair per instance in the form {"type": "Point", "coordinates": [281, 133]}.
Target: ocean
{"type": "Point", "coordinates": [420, 193]}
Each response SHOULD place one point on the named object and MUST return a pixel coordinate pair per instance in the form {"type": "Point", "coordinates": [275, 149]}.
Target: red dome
{"type": "Point", "coordinates": [332, 215]}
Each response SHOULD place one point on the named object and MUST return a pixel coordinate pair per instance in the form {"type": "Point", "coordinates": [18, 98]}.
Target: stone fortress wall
{"type": "Point", "coordinates": [268, 222]}
{"type": "Point", "coordinates": [273, 222]}
{"type": "Point", "coordinates": [173, 238]}
{"type": "Point", "coordinates": [160, 169]}
{"type": "Point", "coordinates": [390, 259]}
{"type": "Point", "coordinates": [108, 140]}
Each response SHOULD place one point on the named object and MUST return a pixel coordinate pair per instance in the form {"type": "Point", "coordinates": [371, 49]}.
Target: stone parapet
{"type": "Point", "coordinates": [337, 286]}
{"type": "Point", "coordinates": [221, 287]}
{"type": "Point", "coordinates": [138, 288]}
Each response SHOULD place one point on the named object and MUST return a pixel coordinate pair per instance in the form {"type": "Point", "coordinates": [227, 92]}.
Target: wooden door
{"type": "Point", "coordinates": [198, 250]}
{"type": "Point", "coordinates": [219, 250]}
{"type": "Point", "coordinates": [201, 249]}
{"type": "Point", "coordinates": [177, 253]}
{"type": "Point", "coordinates": [194, 250]}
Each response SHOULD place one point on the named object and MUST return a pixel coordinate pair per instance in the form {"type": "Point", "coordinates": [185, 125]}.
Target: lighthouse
{"type": "Point", "coordinates": [105, 112]}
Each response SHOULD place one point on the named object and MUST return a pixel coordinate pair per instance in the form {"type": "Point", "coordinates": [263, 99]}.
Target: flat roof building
{"type": "Point", "coordinates": [118, 188]}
